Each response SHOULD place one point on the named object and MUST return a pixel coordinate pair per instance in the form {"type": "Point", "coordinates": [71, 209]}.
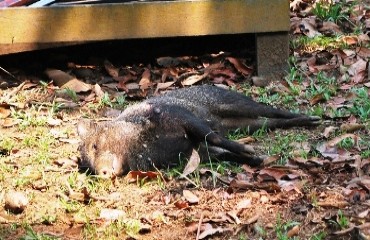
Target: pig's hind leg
{"type": "Point", "coordinates": [199, 130]}
{"type": "Point", "coordinates": [252, 125]}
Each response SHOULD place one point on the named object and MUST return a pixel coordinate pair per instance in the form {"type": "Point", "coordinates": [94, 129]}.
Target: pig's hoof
{"type": "Point", "coordinates": [255, 161]}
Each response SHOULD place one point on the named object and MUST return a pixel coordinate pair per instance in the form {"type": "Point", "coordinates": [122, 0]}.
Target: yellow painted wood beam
{"type": "Point", "coordinates": [25, 27]}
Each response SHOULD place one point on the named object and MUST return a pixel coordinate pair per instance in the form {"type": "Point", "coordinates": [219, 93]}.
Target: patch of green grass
{"type": "Point", "coordinates": [72, 94]}
{"type": "Point", "coordinates": [342, 220]}
{"type": "Point", "coordinates": [35, 116]}
{"type": "Point", "coordinates": [317, 110]}
{"type": "Point", "coordinates": [32, 235]}
{"type": "Point", "coordinates": [132, 226]}
{"type": "Point", "coordinates": [55, 107]}
{"type": "Point", "coordinates": [322, 85]}
{"type": "Point", "coordinates": [95, 184]}
{"type": "Point", "coordinates": [114, 229]}
{"type": "Point", "coordinates": [26, 176]}
{"type": "Point", "coordinates": [338, 113]}
{"type": "Point", "coordinates": [361, 104]}
{"type": "Point", "coordinates": [237, 134]}
{"type": "Point", "coordinates": [242, 236]}
{"type": "Point", "coordinates": [70, 206]}
{"type": "Point", "coordinates": [328, 11]}
{"type": "Point", "coordinates": [30, 141]}
{"type": "Point", "coordinates": [282, 145]}
{"type": "Point", "coordinates": [120, 102]}
{"type": "Point", "coordinates": [318, 236]}
{"type": "Point", "coordinates": [310, 44]}
{"type": "Point", "coordinates": [294, 74]}
{"type": "Point", "coordinates": [105, 101]}
{"type": "Point", "coordinates": [260, 230]}
{"type": "Point", "coordinates": [49, 219]}
{"type": "Point", "coordinates": [90, 231]}
{"type": "Point", "coordinates": [41, 142]}
{"type": "Point", "coordinates": [282, 228]}
{"type": "Point", "coordinates": [346, 143]}
{"type": "Point", "coordinates": [366, 153]}
{"type": "Point", "coordinates": [6, 145]}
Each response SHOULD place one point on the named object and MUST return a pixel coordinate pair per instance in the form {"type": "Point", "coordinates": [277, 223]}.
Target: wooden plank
{"type": "Point", "coordinates": [27, 26]}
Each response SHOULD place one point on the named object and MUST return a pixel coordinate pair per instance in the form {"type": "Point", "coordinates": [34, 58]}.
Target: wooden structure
{"type": "Point", "coordinates": [28, 28]}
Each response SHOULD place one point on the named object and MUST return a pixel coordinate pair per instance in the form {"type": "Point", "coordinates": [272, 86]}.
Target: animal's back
{"type": "Point", "coordinates": [207, 95]}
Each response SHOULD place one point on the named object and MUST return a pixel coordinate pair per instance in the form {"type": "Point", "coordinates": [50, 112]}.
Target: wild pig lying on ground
{"type": "Point", "coordinates": [157, 132]}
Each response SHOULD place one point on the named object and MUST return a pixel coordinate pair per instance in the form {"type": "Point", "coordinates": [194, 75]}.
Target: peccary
{"type": "Point", "coordinates": [156, 132]}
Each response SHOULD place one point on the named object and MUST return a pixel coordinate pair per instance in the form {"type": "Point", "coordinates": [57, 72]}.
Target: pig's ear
{"type": "Point", "coordinates": [85, 128]}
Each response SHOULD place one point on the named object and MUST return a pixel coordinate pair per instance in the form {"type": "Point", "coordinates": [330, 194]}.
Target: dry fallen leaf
{"type": "Point", "coordinates": [4, 112]}
{"type": "Point", "coordinates": [111, 69]}
{"type": "Point", "coordinates": [293, 232]}
{"type": "Point", "coordinates": [66, 81]}
{"type": "Point", "coordinates": [190, 197]}
{"type": "Point", "coordinates": [209, 231]}
{"type": "Point", "coordinates": [328, 131]}
{"type": "Point", "coordinates": [98, 92]}
{"type": "Point", "coordinates": [9, 122]}
{"type": "Point", "coordinates": [181, 204]}
{"type": "Point", "coordinates": [145, 82]}
{"type": "Point", "coordinates": [357, 71]}
{"type": "Point", "coordinates": [317, 98]}
{"type": "Point", "coordinates": [191, 80]}
{"type": "Point", "coordinates": [133, 176]}
{"type": "Point", "coordinates": [54, 122]}
{"type": "Point", "coordinates": [192, 164]}
{"type": "Point", "coordinates": [352, 127]}
{"type": "Point", "coordinates": [162, 86]}
{"type": "Point", "coordinates": [58, 76]}
{"type": "Point", "coordinates": [240, 66]}
{"type": "Point", "coordinates": [338, 139]}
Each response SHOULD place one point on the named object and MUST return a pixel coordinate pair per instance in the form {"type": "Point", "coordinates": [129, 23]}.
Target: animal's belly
{"type": "Point", "coordinates": [161, 152]}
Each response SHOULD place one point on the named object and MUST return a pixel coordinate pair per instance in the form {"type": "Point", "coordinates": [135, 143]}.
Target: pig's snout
{"type": "Point", "coordinates": [108, 166]}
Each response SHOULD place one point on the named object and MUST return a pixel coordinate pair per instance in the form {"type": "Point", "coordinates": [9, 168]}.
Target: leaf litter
{"type": "Point", "coordinates": [322, 175]}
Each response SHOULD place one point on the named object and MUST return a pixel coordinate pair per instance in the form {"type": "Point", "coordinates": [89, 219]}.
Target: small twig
{"type": "Point", "coordinates": [186, 178]}
{"type": "Point", "coordinates": [199, 225]}
{"type": "Point", "coordinates": [5, 71]}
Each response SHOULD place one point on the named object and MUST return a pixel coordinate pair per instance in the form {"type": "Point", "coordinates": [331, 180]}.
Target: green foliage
{"type": "Point", "coordinates": [346, 143]}
{"type": "Point", "coordinates": [327, 11]}
{"type": "Point", "coordinates": [6, 145]}
{"type": "Point", "coordinates": [366, 153]}
{"type": "Point", "coordinates": [342, 220]}
{"type": "Point", "coordinates": [72, 94]}
{"type": "Point", "coordinates": [282, 145]}
{"type": "Point", "coordinates": [260, 230]}
{"type": "Point", "coordinates": [32, 235]}
{"type": "Point", "coordinates": [70, 206]}
{"type": "Point", "coordinates": [323, 85]}
{"type": "Point", "coordinates": [318, 42]}
{"type": "Point", "coordinates": [105, 100]}
{"type": "Point", "coordinates": [121, 102]}
{"type": "Point", "coordinates": [319, 236]}
{"type": "Point", "coordinates": [281, 228]}
{"type": "Point", "coordinates": [361, 104]}
{"type": "Point", "coordinates": [317, 110]}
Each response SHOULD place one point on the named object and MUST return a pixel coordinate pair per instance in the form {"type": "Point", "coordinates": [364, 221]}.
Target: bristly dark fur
{"type": "Point", "coordinates": [158, 131]}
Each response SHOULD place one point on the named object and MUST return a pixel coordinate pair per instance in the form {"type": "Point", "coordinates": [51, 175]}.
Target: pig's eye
{"type": "Point", "coordinates": [94, 146]}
